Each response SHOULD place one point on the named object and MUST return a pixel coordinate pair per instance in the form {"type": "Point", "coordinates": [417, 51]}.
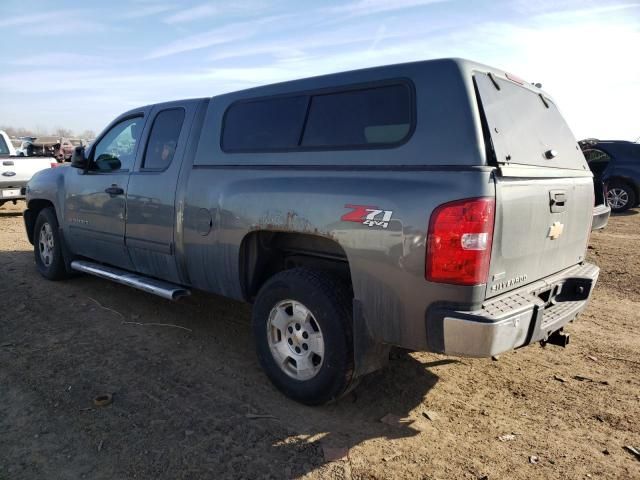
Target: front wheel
{"type": "Point", "coordinates": [47, 246]}
{"type": "Point", "coordinates": [302, 324]}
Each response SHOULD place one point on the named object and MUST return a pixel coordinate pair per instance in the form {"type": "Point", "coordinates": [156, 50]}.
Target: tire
{"type": "Point", "coordinates": [621, 197]}
{"type": "Point", "coordinates": [302, 325]}
{"type": "Point", "coordinates": [47, 246]}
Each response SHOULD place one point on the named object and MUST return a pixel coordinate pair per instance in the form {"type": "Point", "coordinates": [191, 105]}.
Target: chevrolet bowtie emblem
{"type": "Point", "coordinates": [555, 230]}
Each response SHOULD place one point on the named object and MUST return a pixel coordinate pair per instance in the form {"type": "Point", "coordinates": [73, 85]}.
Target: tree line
{"type": "Point", "coordinates": [41, 132]}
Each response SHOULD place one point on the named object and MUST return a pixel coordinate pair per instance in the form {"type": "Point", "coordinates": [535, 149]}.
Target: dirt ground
{"type": "Point", "coordinates": [191, 404]}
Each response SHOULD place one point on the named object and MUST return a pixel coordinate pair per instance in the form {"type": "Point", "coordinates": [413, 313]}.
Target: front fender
{"type": "Point", "coordinates": [47, 186]}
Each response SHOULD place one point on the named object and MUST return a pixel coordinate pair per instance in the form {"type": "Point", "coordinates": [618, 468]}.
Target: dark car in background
{"type": "Point", "coordinates": [616, 164]}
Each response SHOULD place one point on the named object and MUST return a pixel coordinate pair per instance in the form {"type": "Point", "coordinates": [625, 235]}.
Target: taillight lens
{"type": "Point", "coordinates": [459, 242]}
{"type": "Point", "coordinates": [54, 164]}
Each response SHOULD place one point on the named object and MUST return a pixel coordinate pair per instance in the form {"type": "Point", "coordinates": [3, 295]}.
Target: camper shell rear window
{"type": "Point", "coordinates": [525, 126]}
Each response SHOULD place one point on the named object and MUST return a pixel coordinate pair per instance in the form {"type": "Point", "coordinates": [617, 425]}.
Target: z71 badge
{"type": "Point", "coordinates": [367, 215]}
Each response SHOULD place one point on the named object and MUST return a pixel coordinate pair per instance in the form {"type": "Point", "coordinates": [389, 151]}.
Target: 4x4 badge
{"type": "Point", "coordinates": [367, 215]}
{"type": "Point", "coordinates": [555, 230]}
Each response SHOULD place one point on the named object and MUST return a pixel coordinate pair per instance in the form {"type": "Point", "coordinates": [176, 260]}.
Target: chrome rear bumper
{"type": "Point", "coordinates": [523, 316]}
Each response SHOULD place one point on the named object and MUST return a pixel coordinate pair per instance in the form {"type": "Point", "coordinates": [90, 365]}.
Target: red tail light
{"type": "Point", "coordinates": [459, 242]}
{"type": "Point", "coordinates": [54, 164]}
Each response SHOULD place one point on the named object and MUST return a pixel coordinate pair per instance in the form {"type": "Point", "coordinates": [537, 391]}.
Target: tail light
{"type": "Point", "coordinates": [459, 242]}
{"type": "Point", "coordinates": [54, 164]}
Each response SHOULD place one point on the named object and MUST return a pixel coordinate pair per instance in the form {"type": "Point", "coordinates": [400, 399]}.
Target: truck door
{"type": "Point", "coordinates": [95, 198]}
{"type": "Point", "coordinates": [151, 197]}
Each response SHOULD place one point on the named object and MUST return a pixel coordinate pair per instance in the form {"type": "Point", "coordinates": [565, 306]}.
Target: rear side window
{"type": "Point", "coordinates": [368, 117]}
{"type": "Point", "coordinates": [271, 124]}
{"type": "Point", "coordinates": [375, 116]}
{"type": "Point", "coordinates": [597, 160]}
{"type": "Point", "coordinates": [594, 155]}
{"type": "Point", "coordinates": [163, 139]}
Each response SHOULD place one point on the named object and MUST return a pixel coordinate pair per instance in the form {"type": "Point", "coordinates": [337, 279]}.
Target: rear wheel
{"type": "Point", "coordinates": [47, 248]}
{"type": "Point", "coordinates": [302, 327]}
{"type": "Point", "coordinates": [621, 197]}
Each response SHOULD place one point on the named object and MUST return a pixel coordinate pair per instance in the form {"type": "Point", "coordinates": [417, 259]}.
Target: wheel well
{"type": "Point", "coordinates": [264, 253]}
{"type": "Point", "coordinates": [30, 215]}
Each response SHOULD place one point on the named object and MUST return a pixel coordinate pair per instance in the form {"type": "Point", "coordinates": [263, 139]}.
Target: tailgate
{"type": "Point", "coordinates": [535, 236]}
{"type": "Point", "coordinates": [544, 189]}
{"type": "Point", "coordinates": [19, 170]}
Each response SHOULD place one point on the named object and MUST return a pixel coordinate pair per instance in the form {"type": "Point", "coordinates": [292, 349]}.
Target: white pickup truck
{"type": "Point", "coordinates": [16, 171]}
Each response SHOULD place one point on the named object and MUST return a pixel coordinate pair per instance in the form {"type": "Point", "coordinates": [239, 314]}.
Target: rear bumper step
{"type": "Point", "coordinates": [166, 290]}
{"type": "Point", "coordinates": [526, 315]}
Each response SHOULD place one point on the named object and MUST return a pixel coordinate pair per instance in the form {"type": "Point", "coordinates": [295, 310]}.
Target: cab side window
{"type": "Point", "coordinates": [117, 149]}
{"type": "Point", "coordinates": [163, 139]}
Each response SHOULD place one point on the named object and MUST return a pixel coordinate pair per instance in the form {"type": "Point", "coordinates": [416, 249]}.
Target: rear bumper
{"type": "Point", "coordinates": [6, 186]}
{"type": "Point", "coordinates": [600, 216]}
{"type": "Point", "coordinates": [515, 319]}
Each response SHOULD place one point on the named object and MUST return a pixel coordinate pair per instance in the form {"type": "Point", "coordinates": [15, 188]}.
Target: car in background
{"type": "Point", "coordinates": [615, 163]}
{"type": "Point", "coordinates": [601, 208]}
{"type": "Point", "coordinates": [16, 171]}
{"type": "Point", "coordinates": [58, 147]}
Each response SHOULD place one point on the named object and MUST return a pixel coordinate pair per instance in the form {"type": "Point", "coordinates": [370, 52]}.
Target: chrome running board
{"type": "Point", "coordinates": [166, 290]}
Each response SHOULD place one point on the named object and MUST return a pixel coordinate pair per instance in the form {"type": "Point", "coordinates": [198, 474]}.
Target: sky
{"type": "Point", "coordinates": [79, 64]}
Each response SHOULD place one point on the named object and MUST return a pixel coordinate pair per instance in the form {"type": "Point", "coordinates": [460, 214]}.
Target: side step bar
{"type": "Point", "coordinates": [166, 290]}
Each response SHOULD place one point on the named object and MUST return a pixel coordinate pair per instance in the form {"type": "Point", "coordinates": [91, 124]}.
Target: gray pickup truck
{"type": "Point", "coordinates": [439, 205]}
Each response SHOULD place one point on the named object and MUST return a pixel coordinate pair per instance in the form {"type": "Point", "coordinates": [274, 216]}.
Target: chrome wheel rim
{"type": "Point", "coordinates": [46, 244]}
{"type": "Point", "coordinates": [295, 340]}
{"type": "Point", "coordinates": [617, 197]}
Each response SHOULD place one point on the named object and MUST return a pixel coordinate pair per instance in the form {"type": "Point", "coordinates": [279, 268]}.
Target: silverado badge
{"type": "Point", "coordinates": [555, 230]}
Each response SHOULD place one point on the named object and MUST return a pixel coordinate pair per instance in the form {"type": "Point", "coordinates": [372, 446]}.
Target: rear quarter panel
{"type": "Point", "coordinates": [388, 282]}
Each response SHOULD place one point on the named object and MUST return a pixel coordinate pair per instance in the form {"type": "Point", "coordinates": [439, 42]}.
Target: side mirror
{"type": "Point", "coordinates": [78, 160]}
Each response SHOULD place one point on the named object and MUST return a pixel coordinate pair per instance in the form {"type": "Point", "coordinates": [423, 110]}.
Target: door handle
{"type": "Point", "coordinates": [114, 190]}
{"type": "Point", "coordinates": [558, 200]}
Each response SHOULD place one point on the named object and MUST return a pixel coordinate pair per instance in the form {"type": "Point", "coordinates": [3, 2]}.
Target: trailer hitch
{"type": "Point", "coordinates": [558, 338]}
